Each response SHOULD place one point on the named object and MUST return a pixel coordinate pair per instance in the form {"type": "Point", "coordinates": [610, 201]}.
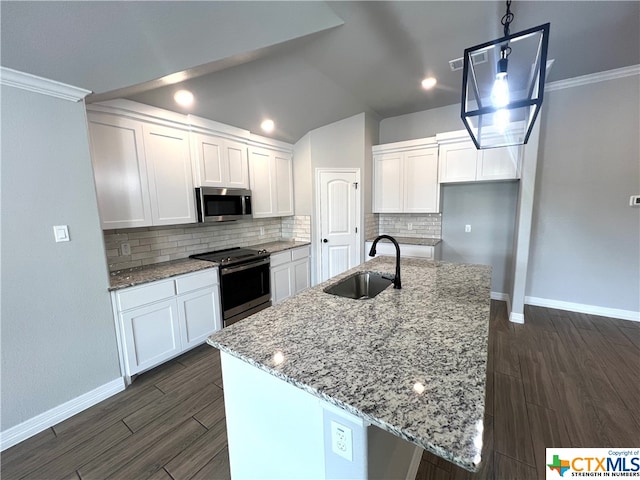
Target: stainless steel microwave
{"type": "Point", "coordinates": [222, 204]}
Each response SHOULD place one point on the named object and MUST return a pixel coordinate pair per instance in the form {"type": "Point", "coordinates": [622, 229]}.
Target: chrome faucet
{"type": "Point", "coordinates": [396, 280]}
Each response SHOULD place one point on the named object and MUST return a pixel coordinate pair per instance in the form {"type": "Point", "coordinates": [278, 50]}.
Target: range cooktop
{"type": "Point", "coordinates": [231, 256]}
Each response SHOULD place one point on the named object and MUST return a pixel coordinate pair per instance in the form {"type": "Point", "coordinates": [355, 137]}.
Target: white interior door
{"type": "Point", "coordinates": [339, 206]}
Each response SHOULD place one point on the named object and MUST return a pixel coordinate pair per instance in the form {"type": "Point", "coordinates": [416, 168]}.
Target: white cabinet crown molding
{"type": "Point", "coordinates": [406, 145]}
{"type": "Point", "coordinates": [211, 127]}
{"type": "Point", "coordinates": [270, 143]}
{"type": "Point", "coordinates": [140, 111]}
{"type": "Point", "coordinates": [45, 86]}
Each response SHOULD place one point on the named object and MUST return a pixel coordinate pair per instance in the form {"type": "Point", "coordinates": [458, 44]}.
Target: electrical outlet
{"type": "Point", "coordinates": [125, 249]}
{"type": "Point", "coordinates": [409, 226]}
{"type": "Point", "coordinates": [467, 228]}
{"type": "Point", "coordinates": [341, 441]}
{"type": "Point", "coordinates": [261, 230]}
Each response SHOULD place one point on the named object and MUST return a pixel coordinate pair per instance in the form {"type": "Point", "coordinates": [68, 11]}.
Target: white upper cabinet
{"type": "Point", "coordinates": [142, 172]}
{"type": "Point", "coordinates": [120, 171]}
{"type": "Point", "coordinates": [460, 161]}
{"type": "Point", "coordinates": [219, 162]}
{"type": "Point", "coordinates": [499, 163]}
{"type": "Point", "coordinates": [169, 173]}
{"type": "Point", "coordinates": [421, 191]}
{"type": "Point", "coordinates": [271, 182]}
{"type": "Point", "coordinates": [405, 177]}
{"type": "Point", "coordinates": [388, 181]}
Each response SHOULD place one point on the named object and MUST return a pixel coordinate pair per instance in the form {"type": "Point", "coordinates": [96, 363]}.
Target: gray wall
{"type": "Point", "coordinates": [490, 209]}
{"type": "Point", "coordinates": [586, 239]}
{"type": "Point", "coordinates": [421, 124]}
{"type": "Point", "coordinates": [57, 335]}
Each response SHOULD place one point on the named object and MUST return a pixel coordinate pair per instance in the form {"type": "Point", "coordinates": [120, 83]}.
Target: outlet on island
{"type": "Point", "coordinates": [341, 441]}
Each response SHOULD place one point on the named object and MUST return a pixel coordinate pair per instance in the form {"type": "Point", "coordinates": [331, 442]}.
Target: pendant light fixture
{"type": "Point", "coordinates": [501, 98]}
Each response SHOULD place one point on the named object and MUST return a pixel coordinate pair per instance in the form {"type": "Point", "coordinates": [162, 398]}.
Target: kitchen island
{"type": "Point", "coordinates": [322, 386]}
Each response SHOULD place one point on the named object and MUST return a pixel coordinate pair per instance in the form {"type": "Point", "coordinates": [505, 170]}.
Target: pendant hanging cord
{"type": "Point", "coordinates": [507, 18]}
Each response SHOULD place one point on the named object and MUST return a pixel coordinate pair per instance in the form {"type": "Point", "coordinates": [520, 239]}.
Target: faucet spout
{"type": "Point", "coordinates": [396, 280]}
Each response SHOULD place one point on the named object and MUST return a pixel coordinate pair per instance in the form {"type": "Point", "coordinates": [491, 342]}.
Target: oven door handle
{"type": "Point", "coordinates": [246, 266]}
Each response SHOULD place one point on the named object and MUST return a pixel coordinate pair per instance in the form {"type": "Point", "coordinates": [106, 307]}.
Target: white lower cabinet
{"type": "Point", "coordinates": [159, 320]}
{"type": "Point", "coordinates": [290, 273]}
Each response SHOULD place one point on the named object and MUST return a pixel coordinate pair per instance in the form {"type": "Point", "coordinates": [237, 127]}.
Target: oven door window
{"type": "Point", "coordinates": [243, 286]}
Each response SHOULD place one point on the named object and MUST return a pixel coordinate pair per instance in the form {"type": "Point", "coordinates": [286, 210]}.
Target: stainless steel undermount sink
{"type": "Point", "coordinates": [360, 285]}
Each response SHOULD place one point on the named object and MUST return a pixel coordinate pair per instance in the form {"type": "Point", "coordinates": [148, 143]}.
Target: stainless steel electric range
{"type": "Point", "coordinates": [244, 281]}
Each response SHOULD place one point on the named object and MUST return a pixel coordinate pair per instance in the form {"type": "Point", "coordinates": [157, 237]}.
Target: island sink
{"type": "Point", "coordinates": [360, 285]}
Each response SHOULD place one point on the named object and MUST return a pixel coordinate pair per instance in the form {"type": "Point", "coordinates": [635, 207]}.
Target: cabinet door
{"type": "Point", "coordinates": [301, 275]}
{"type": "Point", "coordinates": [207, 154]}
{"type": "Point", "coordinates": [458, 162]}
{"type": "Point", "coordinates": [235, 165]}
{"type": "Point", "coordinates": [283, 184]}
{"type": "Point", "coordinates": [421, 188]}
{"type": "Point", "coordinates": [499, 163]}
{"type": "Point", "coordinates": [281, 287]}
{"type": "Point", "coordinates": [170, 179]}
{"type": "Point", "coordinates": [260, 179]}
{"type": "Point", "coordinates": [120, 171]}
{"type": "Point", "coordinates": [151, 335]}
{"type": "Point", "coordinates": [199, 315]}
{"type": "Point", "coordinates": [387, 183]}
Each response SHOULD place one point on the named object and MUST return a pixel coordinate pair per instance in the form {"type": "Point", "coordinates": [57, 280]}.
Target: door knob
{"type": "Point", "coordinates": [324, 240]}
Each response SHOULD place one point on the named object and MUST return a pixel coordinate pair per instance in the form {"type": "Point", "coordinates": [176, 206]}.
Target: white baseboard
{"type": "Point", "coordinates": [37, 424]}
{"type": "Point", "coordinates": [516, 317]}
{"type": "Point", "coordinates": [504, 297]}
{"type": "Point", "coordinates": [583, 308]}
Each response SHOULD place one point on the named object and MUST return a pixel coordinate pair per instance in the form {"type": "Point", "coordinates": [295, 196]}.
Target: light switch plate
{"type": "Point", "coordinates": [61, 233]}
{"type": "Point", "coordinates": [634, 201]}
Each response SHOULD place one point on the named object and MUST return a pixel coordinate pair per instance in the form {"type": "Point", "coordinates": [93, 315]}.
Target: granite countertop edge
{"type": "Point", "coordinates": [160, 271]}
{"type": "Point", "coordinates": [443, 453]}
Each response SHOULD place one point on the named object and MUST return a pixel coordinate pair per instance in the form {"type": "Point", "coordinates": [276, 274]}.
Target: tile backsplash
{"type": "Point", "coordinates": [371, 225]}
{"type": "Point", "coordinates": [423, 225]}
{"type": "Point", "coordinates": [160, 244]}
{"type": "Point", "coordinates": [297, 227]}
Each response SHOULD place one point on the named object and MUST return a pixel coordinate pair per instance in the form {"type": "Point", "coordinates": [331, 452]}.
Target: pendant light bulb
{"type": "Point", "coordinates": [500, 91]}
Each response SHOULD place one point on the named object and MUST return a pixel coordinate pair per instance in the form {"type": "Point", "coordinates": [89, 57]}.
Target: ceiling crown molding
{"type": "Point", "coordinates": [593, 78]}
{"type": "Point", "coordinates": [33, 83]}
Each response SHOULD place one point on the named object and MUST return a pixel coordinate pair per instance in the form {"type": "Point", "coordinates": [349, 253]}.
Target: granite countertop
{"type": "Point", "coordinates": [159, 271]}
{"type": "Point", "coordinates": [411, 361]}
{"type": "Point", "coordinates": [428, 242]}
{"type": "Point", "coordinates": [280, 246]}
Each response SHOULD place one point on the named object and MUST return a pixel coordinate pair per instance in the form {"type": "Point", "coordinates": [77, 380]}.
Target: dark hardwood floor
{"type": "Point", "coordinates": [561, 380]}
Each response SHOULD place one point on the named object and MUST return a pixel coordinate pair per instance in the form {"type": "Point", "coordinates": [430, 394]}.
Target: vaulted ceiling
{"type": "Point", "coordinates": [304, 64]}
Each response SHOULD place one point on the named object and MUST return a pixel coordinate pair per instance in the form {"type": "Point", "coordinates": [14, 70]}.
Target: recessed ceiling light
{"type": "Point", "coordinates": [429, 82]}
{"type": "Point", "coordinates": [183, 97]}
{"type": "Point", "coordinates": [268, 125]}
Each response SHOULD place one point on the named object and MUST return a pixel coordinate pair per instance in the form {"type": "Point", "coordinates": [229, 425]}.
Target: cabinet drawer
{"type": "Point", "coordinates": [194, 281]}
{"type": "Point", "coordinates": [142, 295]}
{"type": "Point", "coordinates": [298, 253]}
{"type": "Point", "coordinates": [280, 258]}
